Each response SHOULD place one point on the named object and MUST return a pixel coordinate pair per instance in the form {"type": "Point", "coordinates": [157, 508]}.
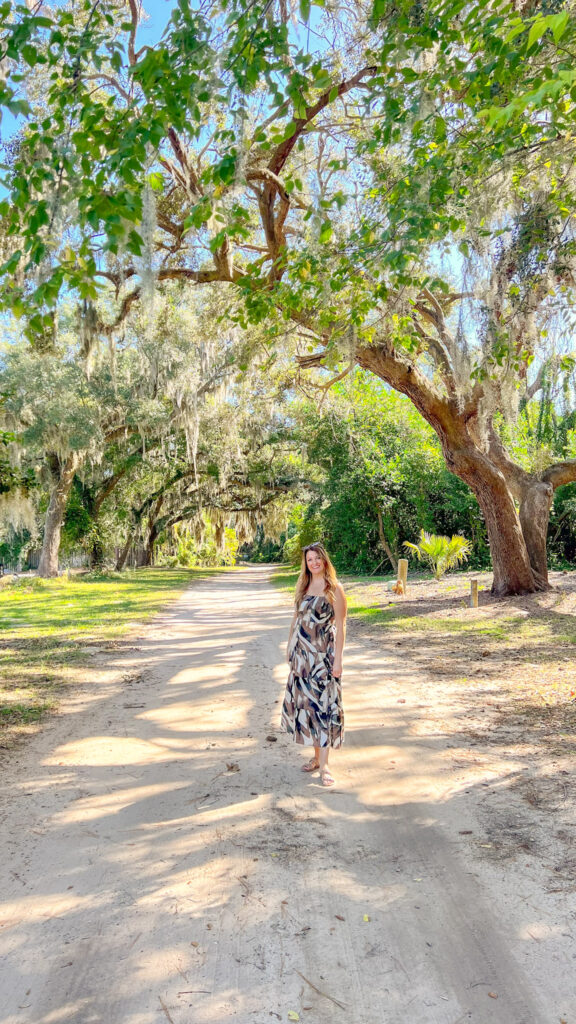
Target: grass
{"type": "Point", "coordinates": [364, 596]}
{"type": "Point", "coordinates": [527, 644]}
{"type": "Point", "coordinates": [46, 627]}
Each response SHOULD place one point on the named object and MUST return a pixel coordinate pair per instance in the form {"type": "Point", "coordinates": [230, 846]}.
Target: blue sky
{"type": "Point", "coordinates": [157, 15]}
{"type": "Point", "coordinates": [158, 12]}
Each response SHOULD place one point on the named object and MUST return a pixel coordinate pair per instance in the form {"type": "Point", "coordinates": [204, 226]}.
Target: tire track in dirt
{"type": "Point", "coordinates": [183, 868]}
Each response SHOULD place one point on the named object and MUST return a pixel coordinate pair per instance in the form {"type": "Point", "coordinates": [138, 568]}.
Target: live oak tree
{"type": "Point", "coordinates": [346, 192]}
{"type": "Point", "coordinates": [161, 429]}
{"type": "Point", "coordinates": [64, 421]}
{"type": "Point", "coordinates": [246, 462]}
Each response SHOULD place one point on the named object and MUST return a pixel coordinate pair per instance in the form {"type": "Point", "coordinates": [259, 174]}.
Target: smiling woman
{"type": "Point", "coordinates": [312, 711]}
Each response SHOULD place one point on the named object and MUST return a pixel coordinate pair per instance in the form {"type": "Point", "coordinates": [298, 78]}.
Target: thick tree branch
{"type": "Point", "coordinates": [441, 357]}
{"type": "Point", "coordinates": [519, 481]}
{"type": "Point", "coordinates": [404, 376]}
{"type": "Point", "coordinates": [191, 178]}
{"type": "Point", "coordinates": [118, 432]}
{"type": "Point", "coordinates": [223, 272]}
{"type": "Point", "coordinates": [134, 17]}
{"type": "Point", "coordinates": [561, 473]}
{"type": "Point", "coordinates": [441, 346]}
{"type": "Point", "coordinates": [266, 175]}
{"type": "Point", "coordinates": [112, 482]}
{"type": "Point", "coordinates": [283, 150]}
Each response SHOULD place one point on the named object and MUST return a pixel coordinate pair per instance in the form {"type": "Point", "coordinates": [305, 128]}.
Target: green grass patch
{"type": "Point", "coordinates": [24, 714]}
{"type": "Point", "coordinates": [46, 626]}
{"type": "Point", "coordinates": [498, 629]}
{"type": "Point", "coordinates": [285, 579]}
{"type": "Point", "coordinates": [370, 600]}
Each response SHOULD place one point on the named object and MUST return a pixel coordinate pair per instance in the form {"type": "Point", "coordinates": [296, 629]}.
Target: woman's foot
{"type": "Point", "coordinates": [311, 766]}
{"type": "Point", "coordinates": [327, 777]}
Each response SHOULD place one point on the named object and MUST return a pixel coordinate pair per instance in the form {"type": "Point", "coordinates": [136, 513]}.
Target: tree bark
{"type": "Point", "coordinates": [121, 560]}
{"type": "Point", "coordinates": [385, 544]}
{"type": "Point", "coordinates": [534, 518]}
{"type": "Point", "coordinates": [62, 475]}
{"type": "Point", "coordinates": [488, 475]}
{"type": "Point", "coordinates": [153, 531]}
{"type": "Point", "coordinates": [513, 573]}
{"type": "Point", "coordinates": [96, 554]}
{"type": "Point", "coordinates": [149, 549]}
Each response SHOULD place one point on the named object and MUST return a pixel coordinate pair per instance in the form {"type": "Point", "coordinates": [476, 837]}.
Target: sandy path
{"type": "Point", "coordinates": [145, 881]}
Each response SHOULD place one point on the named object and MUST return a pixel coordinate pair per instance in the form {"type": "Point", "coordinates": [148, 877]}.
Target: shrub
{"type": "Point", "coordinates": [441, 553]}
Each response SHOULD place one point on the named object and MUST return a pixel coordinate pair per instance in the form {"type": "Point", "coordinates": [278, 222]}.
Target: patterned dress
{"type": "Point", "coordinates": [312, 711]}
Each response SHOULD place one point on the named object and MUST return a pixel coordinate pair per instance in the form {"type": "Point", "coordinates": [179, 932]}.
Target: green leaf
{"type": "Point", "coordinates": [156, 181]}
{"type": "Point", "coordinates": [305, 9]}
{"type": "Point", "coordinates": [558, 23]}
{"type": "Point", "coordinates": [378, 11]}
{"type": "Point", "coordinates": [322, 79]}
{"type": "Point", "coordinates": [325, 232]}
{"type": "Point", "coordinates": [516, 30]}
{"type": "Point", "coordinates": [11, 263]}
{"type": "Point", "coordinates": [537, 31]}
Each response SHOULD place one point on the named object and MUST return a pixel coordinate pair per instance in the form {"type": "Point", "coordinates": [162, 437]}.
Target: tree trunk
{"type": "Point", "coordinates": [534, 518]}
{"type": "Point", "coordinates": [121, 560]}
{"type": "Point", "coordinates": [149, 549]}
{"type": "Point", "coordinates": [63, 475]}
{"type": "Point", "coordinates": [96, 554]}
{"type": "Point", "coordinates": [153, 531]}
{"type": "Point", "coordinates": [385, 543]}
{"type": "Point", "coordinates": [510, 561]}
{"type": "Point", "coordinates": [492, 477]}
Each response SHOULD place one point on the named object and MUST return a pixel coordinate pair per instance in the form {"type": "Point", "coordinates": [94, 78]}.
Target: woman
{"type": "Point", "coordinates": [312, 710]}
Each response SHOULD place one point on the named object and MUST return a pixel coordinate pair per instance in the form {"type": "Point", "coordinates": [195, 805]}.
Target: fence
{"type": "Point", "coordinates": [75, 560]}
{"type": "Point", "coordinates": [136, 556]}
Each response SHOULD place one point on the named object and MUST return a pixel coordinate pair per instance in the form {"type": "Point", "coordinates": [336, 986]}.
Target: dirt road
{"type": "Point", "coordinates": [163, 860]}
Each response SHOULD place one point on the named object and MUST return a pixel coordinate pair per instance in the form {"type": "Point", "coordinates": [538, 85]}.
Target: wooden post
{"type": "Point", "coordinates": [403, 573]}
{"type": "Point", "coordinates": [473, 593]}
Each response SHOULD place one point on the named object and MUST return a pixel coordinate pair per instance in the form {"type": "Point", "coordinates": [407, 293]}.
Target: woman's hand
{"type": "Point", "coordinates": [337, 669]}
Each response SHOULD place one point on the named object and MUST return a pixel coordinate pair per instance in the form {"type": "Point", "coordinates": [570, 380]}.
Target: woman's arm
{"type": "Point", "coordinates": [292, 627]}
{"type": "Point", "coordinates": [340, 606]}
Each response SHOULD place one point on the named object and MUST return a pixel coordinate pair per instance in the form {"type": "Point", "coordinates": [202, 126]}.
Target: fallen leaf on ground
{"type": "Point", "coordinates": [292, 1015]}
{"type": "Point", "coordinates": [366, 917]}
{"type": "Point", "coordinates": [493, 995]}
{"type": "Point", "coordinates": [340, 918]}
{"type": "Point", "coordinates": [271, 739]}
{"type": "Point", "coordinates": [233, 767]}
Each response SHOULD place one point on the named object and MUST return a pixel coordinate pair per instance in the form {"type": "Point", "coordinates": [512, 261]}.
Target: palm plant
{"type": "Point", "coordinates": [441, 553]}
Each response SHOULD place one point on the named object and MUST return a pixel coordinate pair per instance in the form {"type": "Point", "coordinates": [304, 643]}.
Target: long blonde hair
{"type": "Point", "coordinates": [305, 577]}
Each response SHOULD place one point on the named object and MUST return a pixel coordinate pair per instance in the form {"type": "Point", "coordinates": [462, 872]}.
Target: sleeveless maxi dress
{"type": "Point", "coordinates": [312, 710]}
